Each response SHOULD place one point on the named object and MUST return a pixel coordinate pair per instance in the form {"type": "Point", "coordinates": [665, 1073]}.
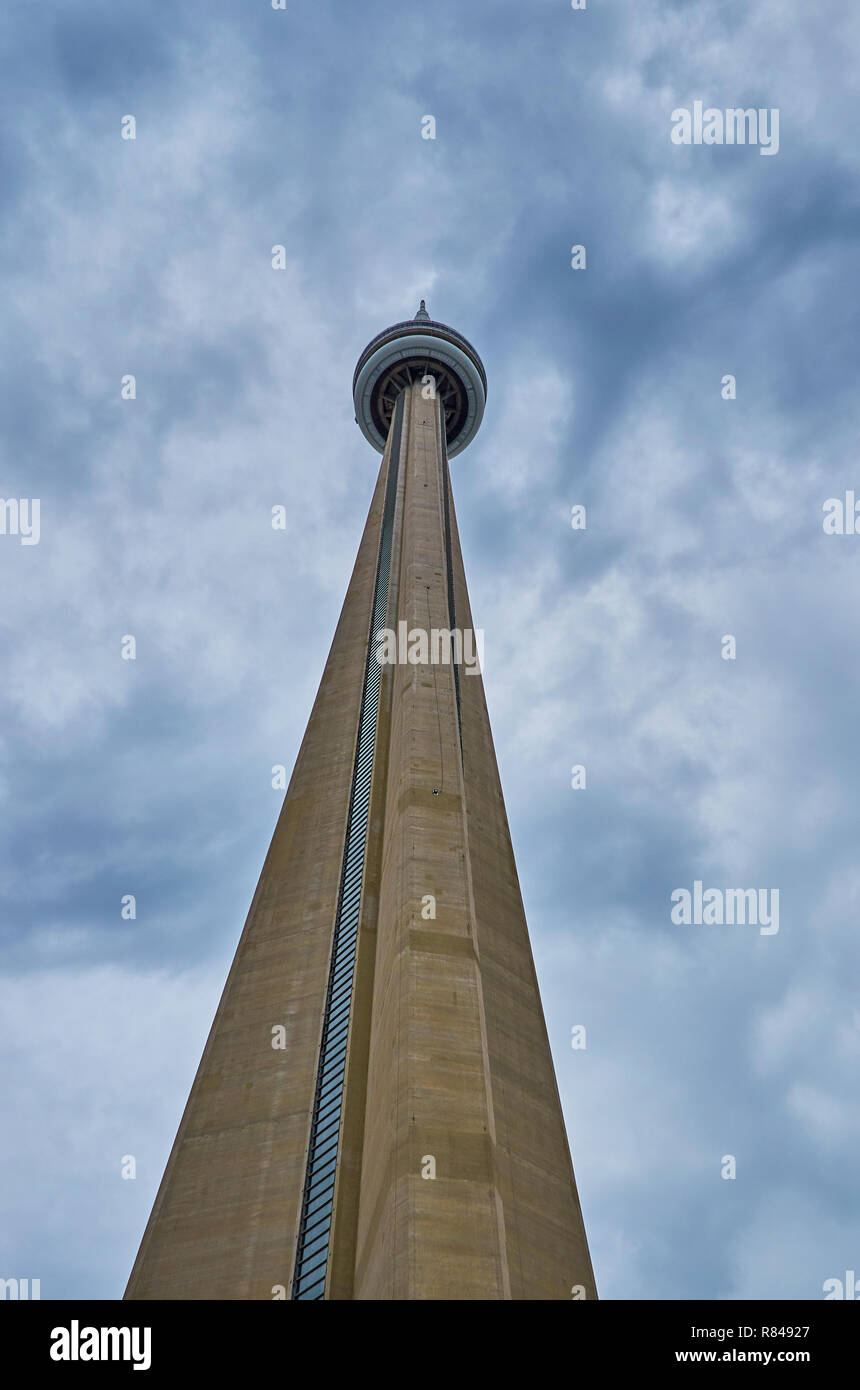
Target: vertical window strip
{"type": "Point", "coordinates": [310, 1270]}
{"type": "Point", "coordinates": [452, 623]}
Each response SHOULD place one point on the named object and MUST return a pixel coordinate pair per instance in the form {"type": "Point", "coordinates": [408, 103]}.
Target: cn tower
{"type": "Point", "coordinates": [375, 1115]}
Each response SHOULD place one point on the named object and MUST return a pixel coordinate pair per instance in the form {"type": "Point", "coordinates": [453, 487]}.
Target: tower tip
{"type": "Point", "coordinates": [422, 316]}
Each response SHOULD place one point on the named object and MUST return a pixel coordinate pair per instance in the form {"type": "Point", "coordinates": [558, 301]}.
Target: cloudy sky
{"type": "Point", "coordinates": [302, 127]}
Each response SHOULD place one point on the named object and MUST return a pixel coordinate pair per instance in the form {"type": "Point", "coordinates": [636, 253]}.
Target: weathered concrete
{"type": "Point", "coordinates": [460, 1067]}
{"type": "Point", "coordinates": [448, 1054]}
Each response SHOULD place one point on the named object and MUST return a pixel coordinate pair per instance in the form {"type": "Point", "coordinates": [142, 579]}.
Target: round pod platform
{"type": "Point", "coordinates": [408, 352]}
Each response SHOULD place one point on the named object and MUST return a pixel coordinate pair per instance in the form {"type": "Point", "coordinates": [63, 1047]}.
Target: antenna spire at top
{"type": "Point", "coordinates": [422, 316]}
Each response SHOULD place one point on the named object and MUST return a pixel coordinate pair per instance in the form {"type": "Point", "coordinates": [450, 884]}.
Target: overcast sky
{"type": "Point", "coordinates": [153, 257]}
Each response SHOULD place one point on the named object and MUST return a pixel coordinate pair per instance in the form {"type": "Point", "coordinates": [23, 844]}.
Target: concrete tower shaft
{"type": "Point", "coordinates": [407, 1142]}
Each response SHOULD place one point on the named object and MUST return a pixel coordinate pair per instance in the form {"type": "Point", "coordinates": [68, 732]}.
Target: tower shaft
{"type": "Point", "coordinates": [408, 1142]}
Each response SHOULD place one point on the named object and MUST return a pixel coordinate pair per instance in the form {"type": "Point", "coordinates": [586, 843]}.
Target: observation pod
{"type": "Point", "coordinates": [406, 354]}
